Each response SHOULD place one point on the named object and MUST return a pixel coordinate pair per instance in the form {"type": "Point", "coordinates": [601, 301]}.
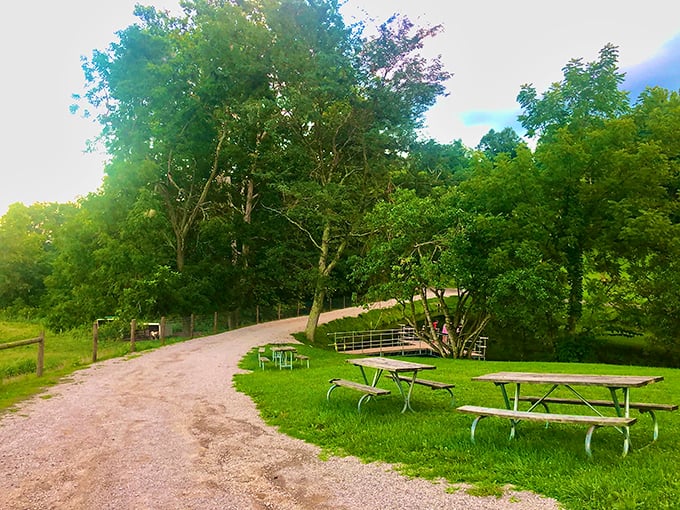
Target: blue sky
{"type": "Point", "coordinates": [491, 46]}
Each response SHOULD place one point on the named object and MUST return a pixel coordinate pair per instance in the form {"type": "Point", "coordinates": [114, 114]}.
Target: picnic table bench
{"type": "Point", "coordinates": [262, 359]}
{"type": "Point", "coordinates": [516, 416]}
{"type": "Point", "coordinates": [643, 407]}
{"type": "Point", "coordinates": [367, 390]}
{"type": "Point", "coordinates": [435, 385]}
{"type": "Point", "coordinates": [302, 358]}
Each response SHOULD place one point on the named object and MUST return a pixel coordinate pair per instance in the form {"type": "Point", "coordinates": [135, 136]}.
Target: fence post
{"type": "Point", "coordinates": [133, 334]}
{"type": "Point", "coordinates": [95, 340]}
{"type": "Point", "coordinates": [191, 327]}
{"type": "Point", "coordinates": [279, 311]}
{"type": "Point", "coordinates": [215, 323]}
{"type": "Point", "coordinates": [41, 355]}
{"type": "Point", "coordinates": [161, 333]}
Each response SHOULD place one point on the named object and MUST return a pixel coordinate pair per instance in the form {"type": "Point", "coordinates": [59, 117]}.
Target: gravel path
{"type": "Point", "coordinates": [166, 430]}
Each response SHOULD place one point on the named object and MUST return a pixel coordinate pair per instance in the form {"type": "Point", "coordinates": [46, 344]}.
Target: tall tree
{"type": "Point", "coordinates": [422, 247]}
{"type": "Point", "coordinates": [178, 95]}
{"type": "Point", "coordinates": [655, 233]}
{"type": "Point", "coordinates": [349, 106]}
{"type": "Point", "coordinates": [587, 96]}
{"type": "Point", "coordinates": [27, 240]}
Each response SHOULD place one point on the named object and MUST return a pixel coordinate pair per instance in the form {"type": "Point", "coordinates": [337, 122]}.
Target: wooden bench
{"type": "Point", "coordinates": [643, 407]}
{"type": "Point", "coordinates": [261, 358]}
{"type": "Point", "coordinates": [516, 416]}
{"type": "Point", "coordinates": [368, 391]}
{"type": "Point", "coordinates": [301, 358]}
{"type": "Point", "coordinates": [435, 385]}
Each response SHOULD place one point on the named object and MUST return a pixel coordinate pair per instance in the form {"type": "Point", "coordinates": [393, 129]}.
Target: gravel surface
{"type": "Point", "coordinates": [166, 430]}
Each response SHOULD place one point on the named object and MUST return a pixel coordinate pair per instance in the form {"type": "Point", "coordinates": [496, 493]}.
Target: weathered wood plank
{"type": "Point", "coordinates": [642, 406]}
{"type": "Point", "coordinates": [435, 385]}
{"type": "Point", "coordinates": [364, 388]}
{"type": "Point", "coordinates": [612, 421]}
{"type": "Point", "coordinates": [19, 343]}
{"type": "Point", "coordinates": [610, 381]}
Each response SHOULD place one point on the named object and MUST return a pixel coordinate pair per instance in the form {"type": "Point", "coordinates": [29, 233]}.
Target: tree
{"type": "Point", "coordinates": [349, 106]}
{"type": "Point", "coordinates": [187, 99]}
{"type": "Point", "coordinates": [430, 165]}
{"type": "Point", "coordinates": [422, 247]}
{"type": "Point", "coordinates": [495, 143]}
{"type": "Point", "coordinates": [27, 236]}
{"type": "Point", "coordinates": [564, 116]}
{"type": "Point", "coordinates": [653, 271]}
{"type": "Point", "coordinates": [525, 299]}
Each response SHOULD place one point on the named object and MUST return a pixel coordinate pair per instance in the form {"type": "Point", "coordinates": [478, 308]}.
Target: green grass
{"type": "Point", "coordinates": [64, 354]}
{"type": "Point", "coordinates": [435, 441]}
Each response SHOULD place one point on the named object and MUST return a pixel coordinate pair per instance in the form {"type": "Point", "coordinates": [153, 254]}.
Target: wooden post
{"type": "Point", "coordinates": [41, 350]}
{"type": "Point", "coordinates": [95, 340]}
{"type": "Point", "coordinates": [133, 334]}
{"type": "Point", "coordinates": [162, 330]}
{"type": "Point", "coordinates": [279, 311]}
{"type": "Point", "coordinates": [257, 314]}
{"type": "Point", "coordinates": [215, 324]}
{"type": "Point", "coordinates": [41, 355]}
{"type": "Point", "coordinates": [191, 327]}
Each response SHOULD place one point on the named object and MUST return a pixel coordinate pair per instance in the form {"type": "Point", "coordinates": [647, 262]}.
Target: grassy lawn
{"type": "Point", "coordinates": [434, 442]}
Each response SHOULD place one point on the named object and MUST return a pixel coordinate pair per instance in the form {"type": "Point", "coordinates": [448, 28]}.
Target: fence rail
{"type": "Point", "coordinates": [41, 350]}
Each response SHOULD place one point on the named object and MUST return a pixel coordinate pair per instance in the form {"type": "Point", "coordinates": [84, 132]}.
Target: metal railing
{"type": "Point", "coordinates": [344, 341]}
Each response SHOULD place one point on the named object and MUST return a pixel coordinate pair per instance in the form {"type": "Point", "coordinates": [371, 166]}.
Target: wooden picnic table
{"type": "Point", "coordinates": [396, 368]}
{"type": "Point", "coordinates": [283, 355]}
{"type": "Point", "coordinates": [614, 383]}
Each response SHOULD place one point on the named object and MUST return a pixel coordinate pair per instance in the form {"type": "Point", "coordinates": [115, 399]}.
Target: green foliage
{"type": "Point", "coordinates": [431, 165]}
{"type": "Point", "coordinates": [247, 137]}
{"type": "Point", "coordinates": [494, 143]}
{"type": "Point", "coordinates": [26, 237]}
{"type": "Point", "coordinates": [588, 93]}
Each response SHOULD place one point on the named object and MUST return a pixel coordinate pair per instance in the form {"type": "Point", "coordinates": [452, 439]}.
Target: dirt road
{"type": "Point", "coordinates": [166, 430]}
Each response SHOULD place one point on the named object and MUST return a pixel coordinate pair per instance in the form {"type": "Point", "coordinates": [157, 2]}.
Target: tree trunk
{"type": "Point", "coordinates": [179, 252]}
{"type": "Point", "coordinates": [183, 216]}
{"type": "Point", "coordinates": [575, 278]}
{"type": "Point", "coordinates": [315, 313]}
{"type": "Point", "coordinates": [325, 267]}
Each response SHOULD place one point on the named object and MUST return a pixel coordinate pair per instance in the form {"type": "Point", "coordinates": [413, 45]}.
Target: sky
{"type": "Point", "coordinates": [492, 47]}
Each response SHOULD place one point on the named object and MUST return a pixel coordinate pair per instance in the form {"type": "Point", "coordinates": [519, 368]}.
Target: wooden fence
{"type": "Point", "coordinates": [41, 350]}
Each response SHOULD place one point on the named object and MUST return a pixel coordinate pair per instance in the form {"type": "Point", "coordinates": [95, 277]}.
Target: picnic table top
{"type": "Point", "coordinates": [283, 348]}
{"type": "Point", "coordinates": [389, 364]}
{"type": "Point", "coordinates": [610, 381]}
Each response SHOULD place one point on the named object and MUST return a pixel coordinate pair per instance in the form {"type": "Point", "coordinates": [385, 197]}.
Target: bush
{"type": "Point", "coordinates": [578, 348]}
